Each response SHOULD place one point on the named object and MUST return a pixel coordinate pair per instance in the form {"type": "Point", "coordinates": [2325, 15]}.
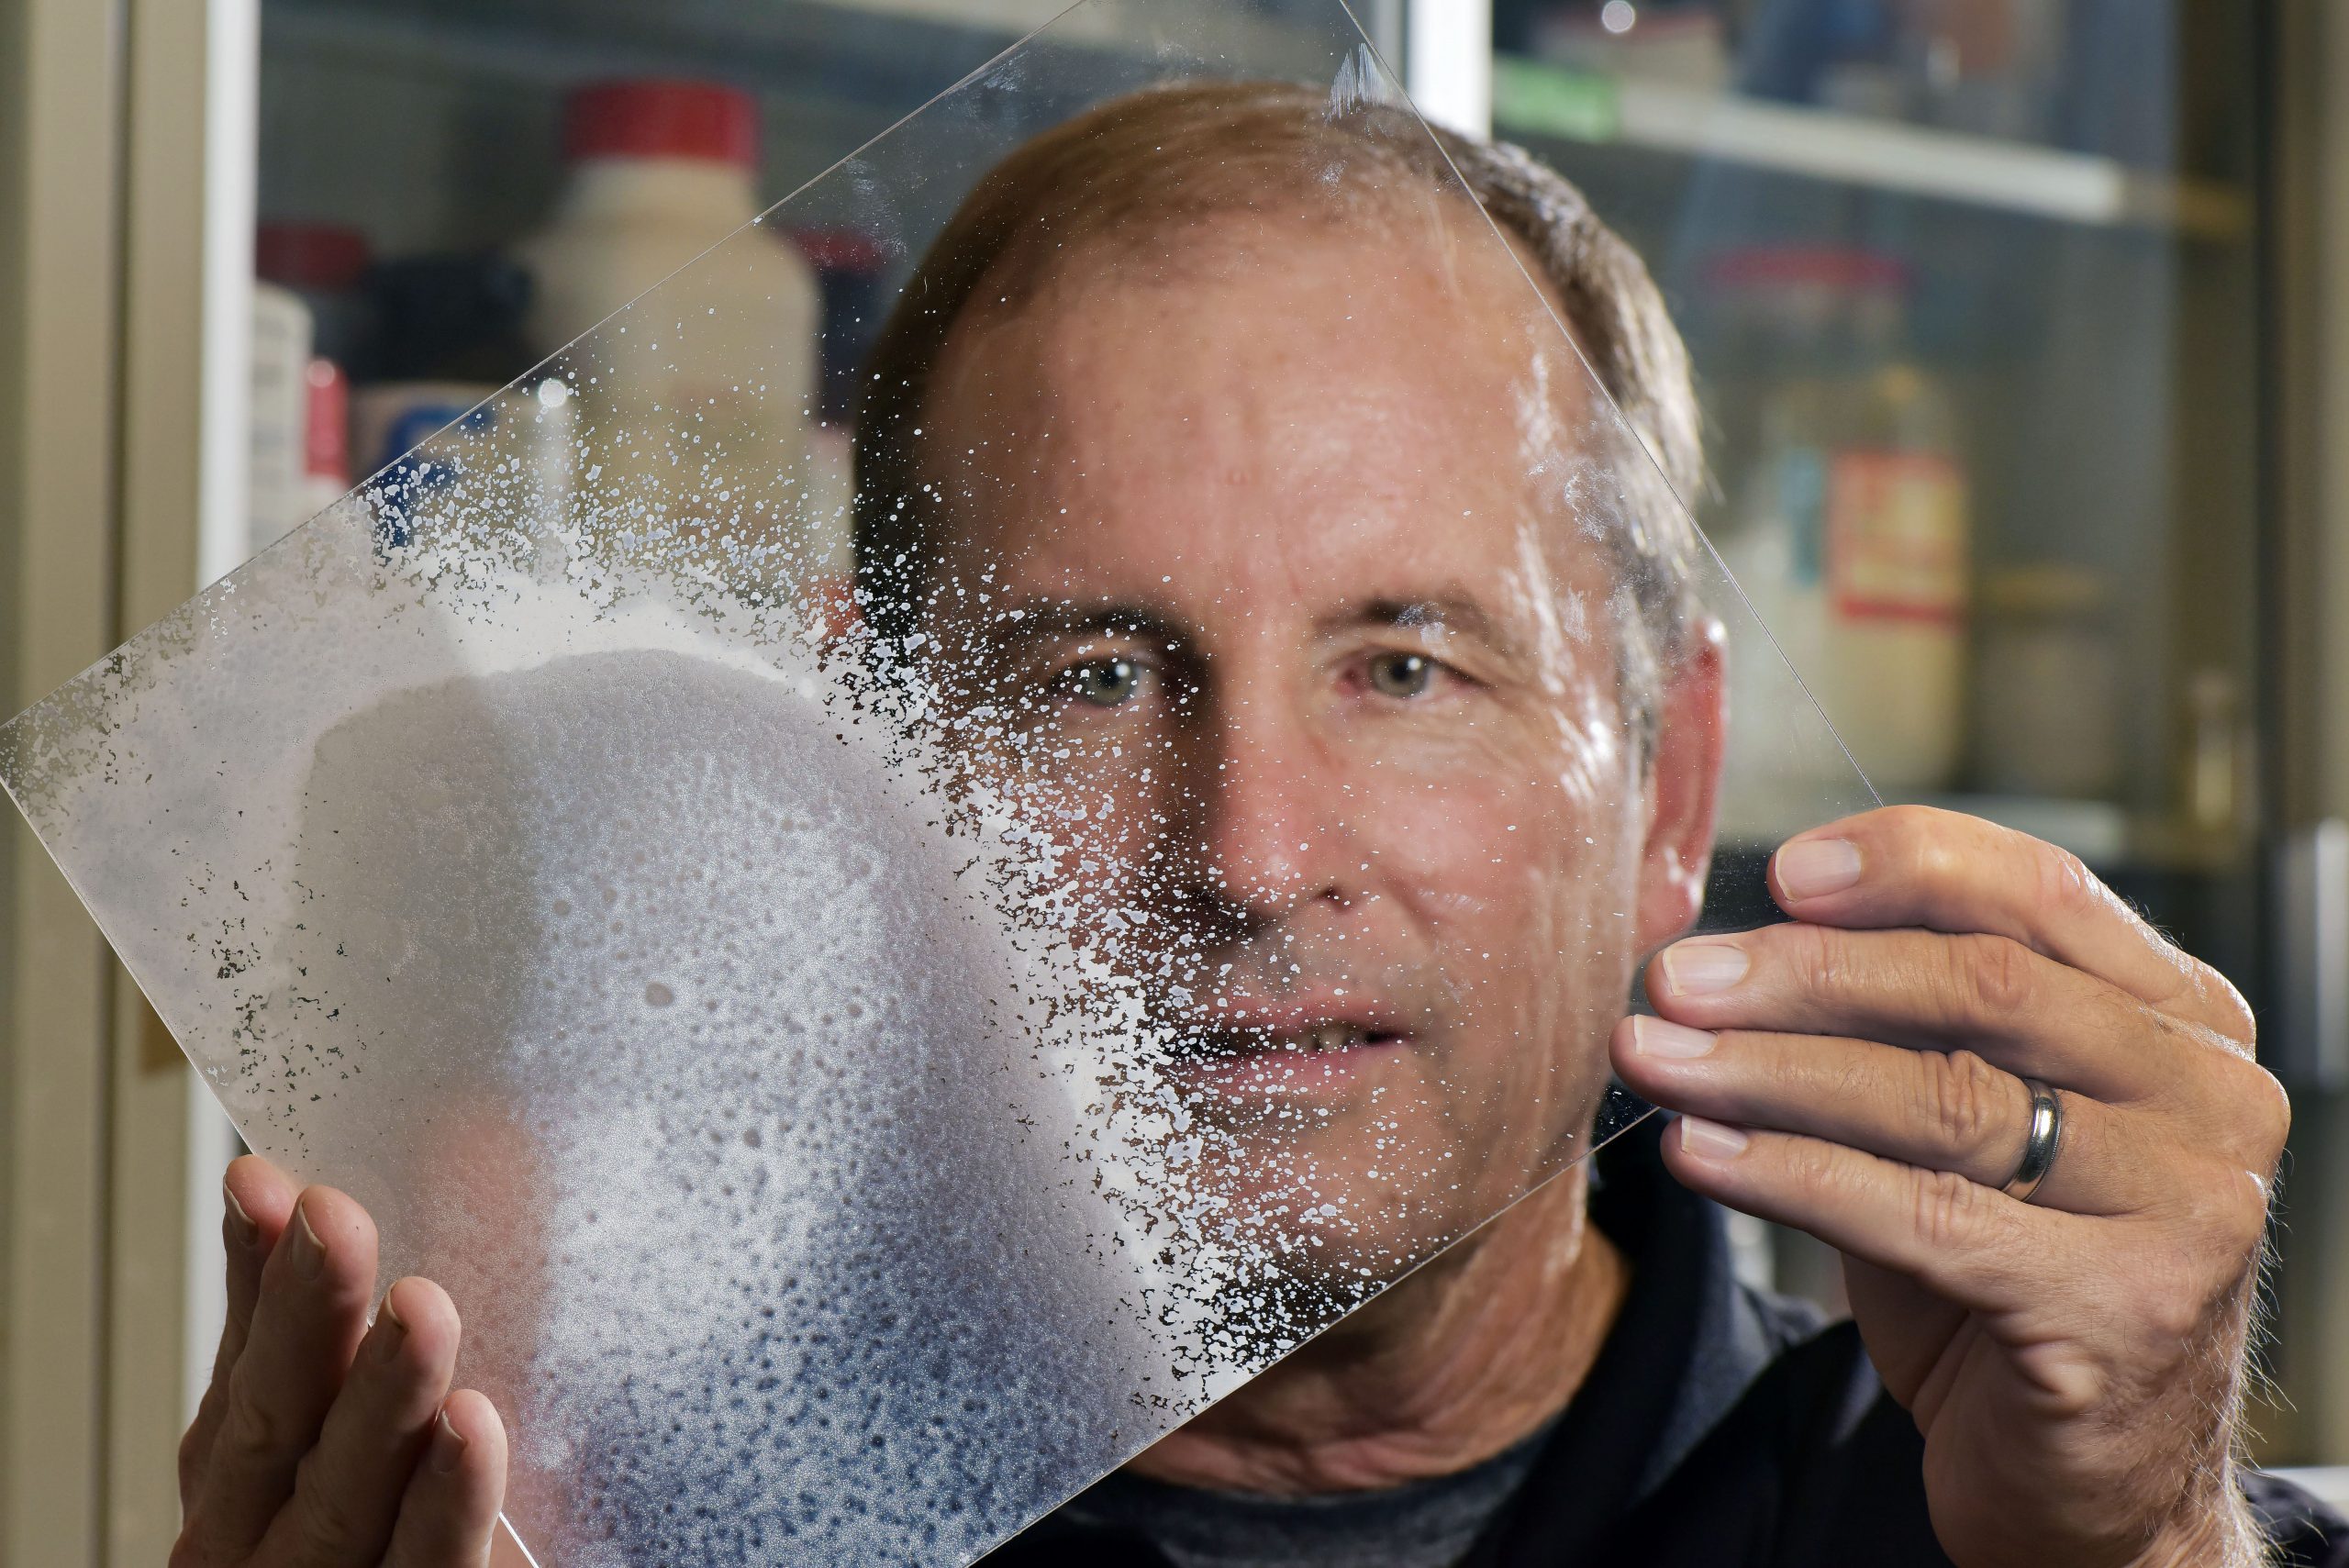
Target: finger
{"type": "Point", "coordinates": [2029, 1014]}
{"type": "Point", "coordinates": [1973, 1246]}
{"type": "Point", "coordinates": [449, 1513]}
{"type": "Point", "coordinates": [1943, 1111]}
{"type": "Point", "coordinates": [256, 1199]}
{"type": "Point", "coordinates": [350, 1488]}
{"type": "Point", "coordinates": [312, 1309]}
{"type": "Point", "coordinates": [1916, 1357]}
{"type": "Point", "coordinates": [1912, 865]}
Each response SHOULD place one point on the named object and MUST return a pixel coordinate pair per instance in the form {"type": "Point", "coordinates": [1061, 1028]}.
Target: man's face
{"type": "Point", "coordinates": [1264, 573]}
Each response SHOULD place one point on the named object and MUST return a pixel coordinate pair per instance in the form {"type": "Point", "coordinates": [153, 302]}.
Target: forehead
{"type": "Point", "coordinates": [1264, 396]}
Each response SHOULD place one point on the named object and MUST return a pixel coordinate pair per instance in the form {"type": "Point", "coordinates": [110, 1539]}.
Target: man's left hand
{"type": "Point", "coordinates": [2074, 1361]}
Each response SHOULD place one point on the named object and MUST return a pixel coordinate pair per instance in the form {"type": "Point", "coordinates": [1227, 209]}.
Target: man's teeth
{"type": "Point", "coordinates": [1256, 1041]}
{"type": "Point", "coordinates": [1331, 1037]}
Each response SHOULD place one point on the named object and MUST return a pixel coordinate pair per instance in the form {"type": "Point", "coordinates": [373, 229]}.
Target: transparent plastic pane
{"type": "Point", "coordinates": [882, 993]}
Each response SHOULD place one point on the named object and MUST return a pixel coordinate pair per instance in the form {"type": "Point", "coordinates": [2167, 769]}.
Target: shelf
{"type": "Point", "coordinates": [902, 50]}
{"type": "Point", "coordinates": [1535, 99]}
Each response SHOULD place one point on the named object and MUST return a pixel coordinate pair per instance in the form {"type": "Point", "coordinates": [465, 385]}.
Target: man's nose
{"type": "Point", "coordinates": [1276, 832]}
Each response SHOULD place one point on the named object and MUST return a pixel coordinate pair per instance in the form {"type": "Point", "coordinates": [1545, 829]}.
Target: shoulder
{"type": "Point", "coordinates": [1814, 1463]}
{"type": "Point", "coordinates": [1818, 1464]}
{"type": "Point", "coordinates": [2304, 1532]}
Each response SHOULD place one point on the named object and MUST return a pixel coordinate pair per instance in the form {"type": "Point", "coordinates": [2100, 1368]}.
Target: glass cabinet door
{"type": "Point", "coordinates": [1973, 290]}
{"type": "Point", "coordinates": [1970, 286]}
{"type": "Point", "coordinates": [449, 191]}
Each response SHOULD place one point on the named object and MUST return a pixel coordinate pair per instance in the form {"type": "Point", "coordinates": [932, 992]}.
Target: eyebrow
{"type": "Point", "coordinates": [1044, 620]}
{"type": "Point", "coordinates": [1455, 614]}
{"type": "Point", "coordinates": [1037, 622]}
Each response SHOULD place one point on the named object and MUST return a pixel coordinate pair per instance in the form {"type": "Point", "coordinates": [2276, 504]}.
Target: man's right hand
{"type": "Point", "coordinates": [324, 1443]}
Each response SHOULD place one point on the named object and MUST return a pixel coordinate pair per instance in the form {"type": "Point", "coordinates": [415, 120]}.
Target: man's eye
{"type": "Point", "coordinates": [1104, 682]}
{"type": "Point", "coordinates": [1401, 674]}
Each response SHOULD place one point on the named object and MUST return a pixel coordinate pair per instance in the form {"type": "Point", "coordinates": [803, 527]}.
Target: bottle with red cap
{"type": "Point", "coordinates": [1850, 526]}
{"type": "Point", "coordinates": [327, 264]}
{"type": "Point", "coordinates": [310, 323]}
{"type": "Point", "coordinates": [706, 418]}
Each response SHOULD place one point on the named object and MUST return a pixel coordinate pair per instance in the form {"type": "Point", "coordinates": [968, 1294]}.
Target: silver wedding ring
{"type": "Point", "coordinates": [2039, 1147]}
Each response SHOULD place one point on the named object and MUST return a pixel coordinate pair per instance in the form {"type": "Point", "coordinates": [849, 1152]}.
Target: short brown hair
{"type": "Point", "coordinates": [1164, 156]}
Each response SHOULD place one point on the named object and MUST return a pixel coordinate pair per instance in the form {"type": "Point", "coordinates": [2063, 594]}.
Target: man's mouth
{"type": "Point", "coordinates": [1235, 1044]}
{"type": "Point", "coordinates": [1292, 1052]}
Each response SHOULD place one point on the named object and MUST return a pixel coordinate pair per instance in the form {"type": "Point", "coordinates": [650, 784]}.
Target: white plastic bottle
{"type": "Point", "coordinates": [1852, 532]}
{"type": "Point", "coordinates": [280, 419]}
{"type": "Point", "coordinates": [695, 409]}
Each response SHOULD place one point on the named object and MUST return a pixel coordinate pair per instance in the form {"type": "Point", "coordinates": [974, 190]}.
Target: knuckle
{"type": "Point", "coordinates": [329, 1531]}
{"type": "Point", "coordinates": [1812, 1172]}
{"type": "Point", "coordinates": [1990, 978]}
{"type": "Point", "coordinates": [2174, 1313]}
{"type": "Point", "coordinates": [2197, 1276]}
{"type": "Point", "coordinates": [1818, 957]}
{"type": "Point", "coordinates": [2269, 1106]}
{"type": "Point", "coordinates": [2062, 883]}
{"type": "Point", "coordinates": [196, 1447]}
{"type": "Point", "coordinates": [2244, 1113]}
{"type": "Point", "coordinates": [2247, 1229]}
{"type": "Point", "coordinates": [1913, 835]}
{"type": "Point", "coordinates": [250, 1433]}
{"type": "Point", "coordinates": [1949, 1209]}
{"type": "Point", "coordinates": [2235, 1015]}
{"type": "Point", "coordinates": [1805, 951]}
{"type": "Point", "coordinates": [2220, 1004]}
{"type": "Point", "coordinates": [1915, 824]}
{"type": "Point", "coordinates": [1966, 1100]}
{"type": "Point", "coordinates": [2226, 1213]}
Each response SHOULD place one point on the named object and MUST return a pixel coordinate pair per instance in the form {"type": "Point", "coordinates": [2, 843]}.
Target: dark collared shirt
{"type": "Point", "coordinates": [1719, 1427]}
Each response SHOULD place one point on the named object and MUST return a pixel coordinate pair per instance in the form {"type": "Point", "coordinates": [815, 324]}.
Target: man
{"type": "Point", "coordinates": [1214, 445]}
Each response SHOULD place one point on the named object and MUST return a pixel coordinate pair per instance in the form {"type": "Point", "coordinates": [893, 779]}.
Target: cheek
{"type": "Point", "coordinates": [1108, 800]}
{"type": "Point", "coordinates": [1505, 907]}
{"type": "Point", "coordinates": [1517, 832]}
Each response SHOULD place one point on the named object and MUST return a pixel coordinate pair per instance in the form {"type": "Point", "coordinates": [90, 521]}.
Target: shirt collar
{"type": "Point", "coordinates": [1675, 1362]}
{"type": "Point", "coordinates": [1687, 1344]}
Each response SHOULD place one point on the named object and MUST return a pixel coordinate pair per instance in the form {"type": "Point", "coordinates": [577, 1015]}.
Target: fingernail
{"type": "Point", "coordinates": [1670, 1042]}
{"type": "Point", "coordinates": [310, 1253]}
{"type": "Point", "coordinates": [1709, 1140]}
{"type": "Point", "coordinates": [240, 1224]}
{"type": "Point", "coordinates": [448, 1447]}
{"type": "Point", "coordinates": [391, 1330]}
{"type": "Point", "coordinates": [1812, 868]}
{"type": "Point", "coordinates": [1699, 969]}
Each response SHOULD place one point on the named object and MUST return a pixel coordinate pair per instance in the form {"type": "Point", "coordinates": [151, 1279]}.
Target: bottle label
{"type": "Point", "coordinates": [1895, 538]}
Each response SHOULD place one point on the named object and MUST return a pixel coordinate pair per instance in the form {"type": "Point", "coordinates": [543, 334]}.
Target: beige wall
{"type": "Point", "coordinates": [98, 414]}
{"type": "Point", "coordinates": [58, 512]}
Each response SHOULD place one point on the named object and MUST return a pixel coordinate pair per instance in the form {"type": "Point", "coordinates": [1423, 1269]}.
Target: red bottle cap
{"type": "Point", "coordinates": [651, 118]}
{"type": "Point", "coordinates": [325, 439]}
{"type": "Point", "coordinates": [323, 256]}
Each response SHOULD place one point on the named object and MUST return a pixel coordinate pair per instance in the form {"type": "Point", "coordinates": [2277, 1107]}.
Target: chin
{"type": "Point", "coordinates": [1341, 1204]}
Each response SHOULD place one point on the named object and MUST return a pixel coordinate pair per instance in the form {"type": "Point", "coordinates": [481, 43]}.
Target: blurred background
{"type": "Point", "coordinates": [2023, 327]}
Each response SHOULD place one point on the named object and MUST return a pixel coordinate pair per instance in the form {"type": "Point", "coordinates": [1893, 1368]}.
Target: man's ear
{"type": "Point", "coordinates": [1684, 786]}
